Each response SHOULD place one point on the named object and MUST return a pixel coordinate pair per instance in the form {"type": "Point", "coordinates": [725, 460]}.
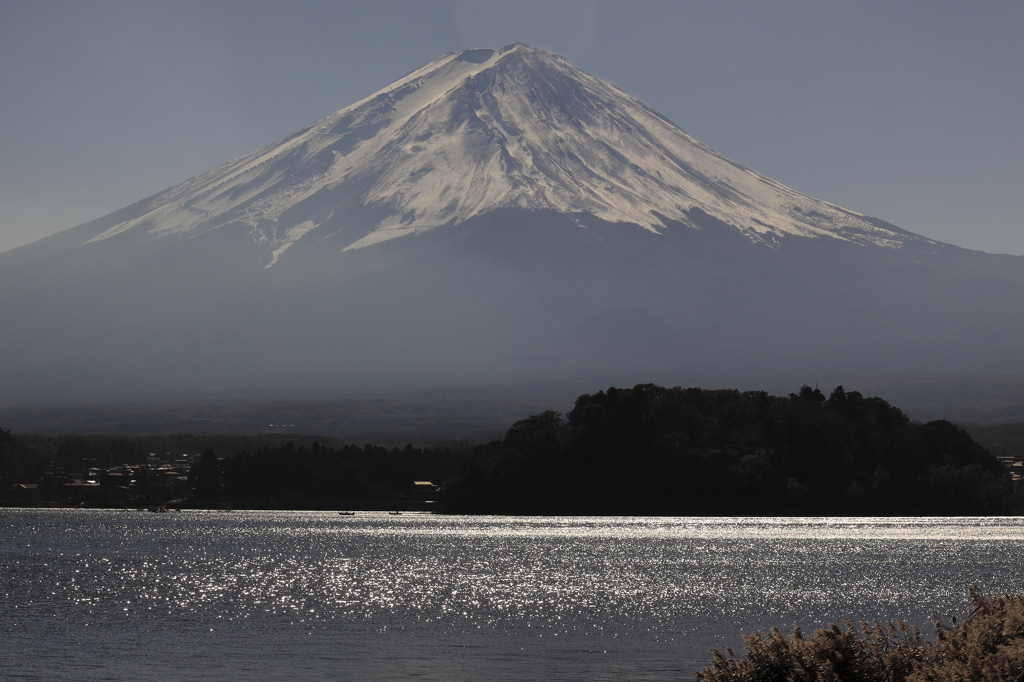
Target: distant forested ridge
{"type": "Point", "coordinates": [675, 451]}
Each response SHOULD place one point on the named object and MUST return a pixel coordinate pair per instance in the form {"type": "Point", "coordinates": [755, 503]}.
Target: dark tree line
{"type": "Point", "coordinates": [674, 451]}
{"type": "Point", "coordinates": [18, 464]}
{"type": "Point", "coordinates": [76, 452]}
{"type": "Point", "coordinates": [281, 474]}
{"type": "Point", "coordinates": [644, 450]}
{"type": "Point", "coordinates": [319, 476]}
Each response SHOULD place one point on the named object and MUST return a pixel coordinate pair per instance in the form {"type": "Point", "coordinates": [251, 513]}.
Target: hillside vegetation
{"type": "Point", "coordinates": [676, 451]}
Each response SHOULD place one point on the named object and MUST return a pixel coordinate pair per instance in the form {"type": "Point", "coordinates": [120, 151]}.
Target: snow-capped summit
{"type": "Point", "coordinates": [480, 130]}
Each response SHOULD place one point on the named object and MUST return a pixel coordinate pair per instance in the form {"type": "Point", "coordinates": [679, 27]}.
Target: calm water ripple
{"type": "Point", "coordinates": [107, 595]}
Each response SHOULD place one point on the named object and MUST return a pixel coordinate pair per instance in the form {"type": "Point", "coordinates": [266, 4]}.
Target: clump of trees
{"type": "Point", "coordinates": [989, 645]}
{"type": "Point", "coordinates": [676, 451]}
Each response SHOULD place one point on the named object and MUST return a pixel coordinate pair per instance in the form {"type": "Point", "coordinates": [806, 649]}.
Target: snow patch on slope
{"type": "Point", "coordinates": [291, 235]}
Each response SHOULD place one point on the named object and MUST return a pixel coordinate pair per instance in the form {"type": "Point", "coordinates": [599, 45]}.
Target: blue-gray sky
{"type": "Point", "coordinates": [912, 112]}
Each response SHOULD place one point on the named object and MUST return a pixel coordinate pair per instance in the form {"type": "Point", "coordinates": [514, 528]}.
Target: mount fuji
{"type": "Point", "coordinates": [494, 216]}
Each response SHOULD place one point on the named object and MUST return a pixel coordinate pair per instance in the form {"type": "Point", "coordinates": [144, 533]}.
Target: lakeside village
{"type": "Point", "coordinates": [1014, 465]}
{"type": "Point", "coordinates": [162, 483]}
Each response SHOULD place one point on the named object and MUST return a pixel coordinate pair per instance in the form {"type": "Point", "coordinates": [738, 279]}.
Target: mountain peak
{"type": "Point", "coordinates": [480, 130]}
{"type": "Point", "coordinates": [568, 232]}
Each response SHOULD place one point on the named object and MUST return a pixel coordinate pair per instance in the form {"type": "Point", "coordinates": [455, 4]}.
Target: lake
{"type": "Point", "coordinates": [112, 595]}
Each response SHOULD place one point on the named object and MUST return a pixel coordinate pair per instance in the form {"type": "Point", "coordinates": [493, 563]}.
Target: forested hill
{"type": "Point", "coordinates": [675, 451]}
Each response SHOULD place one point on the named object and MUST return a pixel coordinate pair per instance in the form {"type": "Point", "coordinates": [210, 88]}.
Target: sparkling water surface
{"type": "Point", "coordinates": [111, 595]}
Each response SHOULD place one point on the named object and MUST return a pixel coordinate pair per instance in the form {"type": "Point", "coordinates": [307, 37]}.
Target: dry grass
{"type": "Point", "coordinates": [989, 645]}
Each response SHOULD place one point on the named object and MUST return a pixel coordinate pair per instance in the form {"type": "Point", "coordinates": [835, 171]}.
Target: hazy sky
{"type": "Point", "coordinates": [912, 112]}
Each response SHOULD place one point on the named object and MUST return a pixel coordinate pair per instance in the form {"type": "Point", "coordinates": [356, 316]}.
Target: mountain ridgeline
{"type": "Point", "coordinates": [494, 217]}
{"type": "Point", "coordinates": [676, 452]}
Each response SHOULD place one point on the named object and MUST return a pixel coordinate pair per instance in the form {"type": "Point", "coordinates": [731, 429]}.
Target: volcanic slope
{"type": "Point", "coordinates": [496, 215]}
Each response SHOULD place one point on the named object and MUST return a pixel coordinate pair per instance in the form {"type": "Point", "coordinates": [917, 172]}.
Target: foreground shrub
{"type": "Point", "coordinates": [989, 645]}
